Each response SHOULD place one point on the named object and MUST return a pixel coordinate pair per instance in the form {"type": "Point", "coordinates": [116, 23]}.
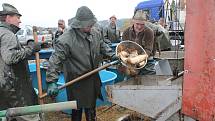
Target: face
{"type": "Point", "coordinates": [13, 19]}
{"type": "Point", "coordinates": [61, 25]}
{"type": "Point", "coordinates": [87, 29]}
{"type": "Point", "coordinates": [138, 26]}
{"type": "Point", "coordinates": [161, 22]}
{"type": "Point", "coordinates": [113, 20]}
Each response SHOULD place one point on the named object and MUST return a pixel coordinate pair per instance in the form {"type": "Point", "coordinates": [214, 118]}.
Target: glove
{"type": "Point", "coordinates": [36, 47]}
{"type": "Point", "coordinates": [114, 57]}
{"type": "Point", "coordinates": [52, 89]}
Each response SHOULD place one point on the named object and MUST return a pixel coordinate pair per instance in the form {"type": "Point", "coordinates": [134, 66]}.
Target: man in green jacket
{"type": "Point", "coordinates": [112, 32]}
{"type": "Point", "coordinates": [79, 51]}
{"type": "Point", "coordinates": [15, 85]}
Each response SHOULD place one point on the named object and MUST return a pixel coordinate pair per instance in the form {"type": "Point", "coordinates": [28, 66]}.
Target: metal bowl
{"type": "Point", "coordinates": [128, 46]}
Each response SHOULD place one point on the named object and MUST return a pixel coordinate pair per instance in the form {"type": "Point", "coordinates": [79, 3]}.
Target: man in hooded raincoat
{"type": "Point", "coordinates": [79, 51]}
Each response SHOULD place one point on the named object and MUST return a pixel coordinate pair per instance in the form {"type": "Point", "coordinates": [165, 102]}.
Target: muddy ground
{"type": "Point", "coordinates": [104, 113]}
{"type": "Point", "coordinates": [112, 114]}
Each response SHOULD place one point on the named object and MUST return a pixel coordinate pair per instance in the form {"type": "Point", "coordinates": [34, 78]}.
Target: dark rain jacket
{"type": "Point", "coordinates": [78, 53]}
{"type": "Point", "coordinates": [144, 38]}
{"type": "Point", "coordinates": [15, 86]}
{"type": "Point", "coordinates": [112, 33]}
{"type": "Point", "coordinates": [162, 41]}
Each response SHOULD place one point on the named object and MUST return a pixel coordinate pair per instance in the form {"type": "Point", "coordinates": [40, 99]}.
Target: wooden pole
{"type": "Point", "coordinates": [37, 56]}
{"type": "Point", "coordinates": [84, 76]}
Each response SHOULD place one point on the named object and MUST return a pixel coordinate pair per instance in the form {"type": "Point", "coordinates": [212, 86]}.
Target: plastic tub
{"type": "Point", "coordinates": [107, 77]}
{"type": "Point", "coordinates": [120, 76]}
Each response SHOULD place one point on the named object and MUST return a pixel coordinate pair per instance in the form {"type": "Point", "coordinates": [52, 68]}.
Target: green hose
{"type": "Point", "coordinates": [19, 111]}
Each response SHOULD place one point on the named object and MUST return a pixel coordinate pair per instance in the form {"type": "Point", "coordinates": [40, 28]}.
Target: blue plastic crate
{"type": "Point", "coordinates": [33, 75]}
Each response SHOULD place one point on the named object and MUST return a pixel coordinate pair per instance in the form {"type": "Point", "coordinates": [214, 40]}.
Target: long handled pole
{"type": "Point", "coordinates": [27, 110]}
{"type": "Point", "coordinates": [38, 66]}
{"type": "Point", "coordinates": [83, 76]}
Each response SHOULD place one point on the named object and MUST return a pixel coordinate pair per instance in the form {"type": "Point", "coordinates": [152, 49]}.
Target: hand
{"type": "Point", "coordinates": [36, 47]}
{"type": "Point", "coordinates": [60, 29]}
{"type": "Point", "coordinates": [52, 89]}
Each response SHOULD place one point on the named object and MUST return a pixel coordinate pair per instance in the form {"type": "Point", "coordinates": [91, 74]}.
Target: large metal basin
{"type": "Point", "coordinates": [154, 96]}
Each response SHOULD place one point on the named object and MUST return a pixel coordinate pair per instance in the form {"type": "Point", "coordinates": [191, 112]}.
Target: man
{"type": "Point", "coordinates": [164, 38]}
{"type": "Point", "coordinates": [61, 28]}
{"type": "Point", "coordinates": [60, 31]}
{"type": "Point", "coordinates": [142, 35]}
{"type": "Point", "coordinates": [162, 22]}
{"type": "Point", "coordinates": [112, 33]}
{"type": "Point", "coordinates": [161, 38]}
{"type": "Point", "coordinates": [15, 85]}
{"type": "Point", "coordinates": [79, 51]}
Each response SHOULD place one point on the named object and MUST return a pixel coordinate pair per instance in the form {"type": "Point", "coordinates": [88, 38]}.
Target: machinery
{"type": "Point", "coordinates": [189, 97]}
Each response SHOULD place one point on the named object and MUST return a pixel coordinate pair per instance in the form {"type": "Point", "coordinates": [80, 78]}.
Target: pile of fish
{"type": "Point", "coordinates": [132, 59]}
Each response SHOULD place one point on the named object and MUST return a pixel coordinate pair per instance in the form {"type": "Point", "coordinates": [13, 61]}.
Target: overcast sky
{"type": "Point", "coordinates": [46, 13]}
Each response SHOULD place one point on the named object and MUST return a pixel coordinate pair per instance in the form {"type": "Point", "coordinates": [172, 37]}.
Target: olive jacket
{"type": "Point", "coordinates": [77, 53]}
{"type": "Point", "coordinates": [15, 85]}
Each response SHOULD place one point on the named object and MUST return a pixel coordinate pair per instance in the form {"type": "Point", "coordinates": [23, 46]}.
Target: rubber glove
{"type": "Point", "coordinates": [52, 89]}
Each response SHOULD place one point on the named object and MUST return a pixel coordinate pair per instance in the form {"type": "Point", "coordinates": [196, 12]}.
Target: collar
{"type": "Point", "coordinates": [11, 27]}
{"type": "Point", "coordinates": [84, 35]}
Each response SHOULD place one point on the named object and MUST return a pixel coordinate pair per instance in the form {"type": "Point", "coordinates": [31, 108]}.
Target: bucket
{"type": "Point", "coordinates": [107, 78]}
{"type": "Point", "coordinates": [120, 76]}
{"type": "Point", "coordinates": [33, 76]}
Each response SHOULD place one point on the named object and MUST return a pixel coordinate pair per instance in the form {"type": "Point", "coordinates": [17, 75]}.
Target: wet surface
{"type": "Point", "coordinates": [104, 113]}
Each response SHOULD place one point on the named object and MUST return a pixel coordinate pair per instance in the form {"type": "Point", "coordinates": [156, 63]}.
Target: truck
{"type": "Point", "coordinates": [25, 35]}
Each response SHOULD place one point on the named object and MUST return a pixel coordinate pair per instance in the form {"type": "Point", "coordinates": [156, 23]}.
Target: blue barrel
{"type": "Point", "coordinates": [33, 75]}
{"type": "Point", "coordinates": [107, 77]}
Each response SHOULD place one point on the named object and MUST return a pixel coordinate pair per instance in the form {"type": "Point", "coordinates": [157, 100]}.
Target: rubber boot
{"type": "Point", "coordinates": [76, 115]}
{"type": "Point", "coordinates": [90, 114]}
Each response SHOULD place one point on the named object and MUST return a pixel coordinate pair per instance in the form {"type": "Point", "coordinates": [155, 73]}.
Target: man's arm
{"type": "Point", "coordinates": [10, 50]}
{"type": "Point", "coordinates": [125, 35]}
{"type": "Point", "coordinates": [55, 62]}
{"type": "Point", "coordinates": [149, 41]}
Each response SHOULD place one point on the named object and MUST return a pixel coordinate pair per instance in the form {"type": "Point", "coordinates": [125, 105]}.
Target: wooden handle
{"type": "Point", "coordinates": [38, 66]}
{"type": "Point", "coordinates": [84, 76]}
